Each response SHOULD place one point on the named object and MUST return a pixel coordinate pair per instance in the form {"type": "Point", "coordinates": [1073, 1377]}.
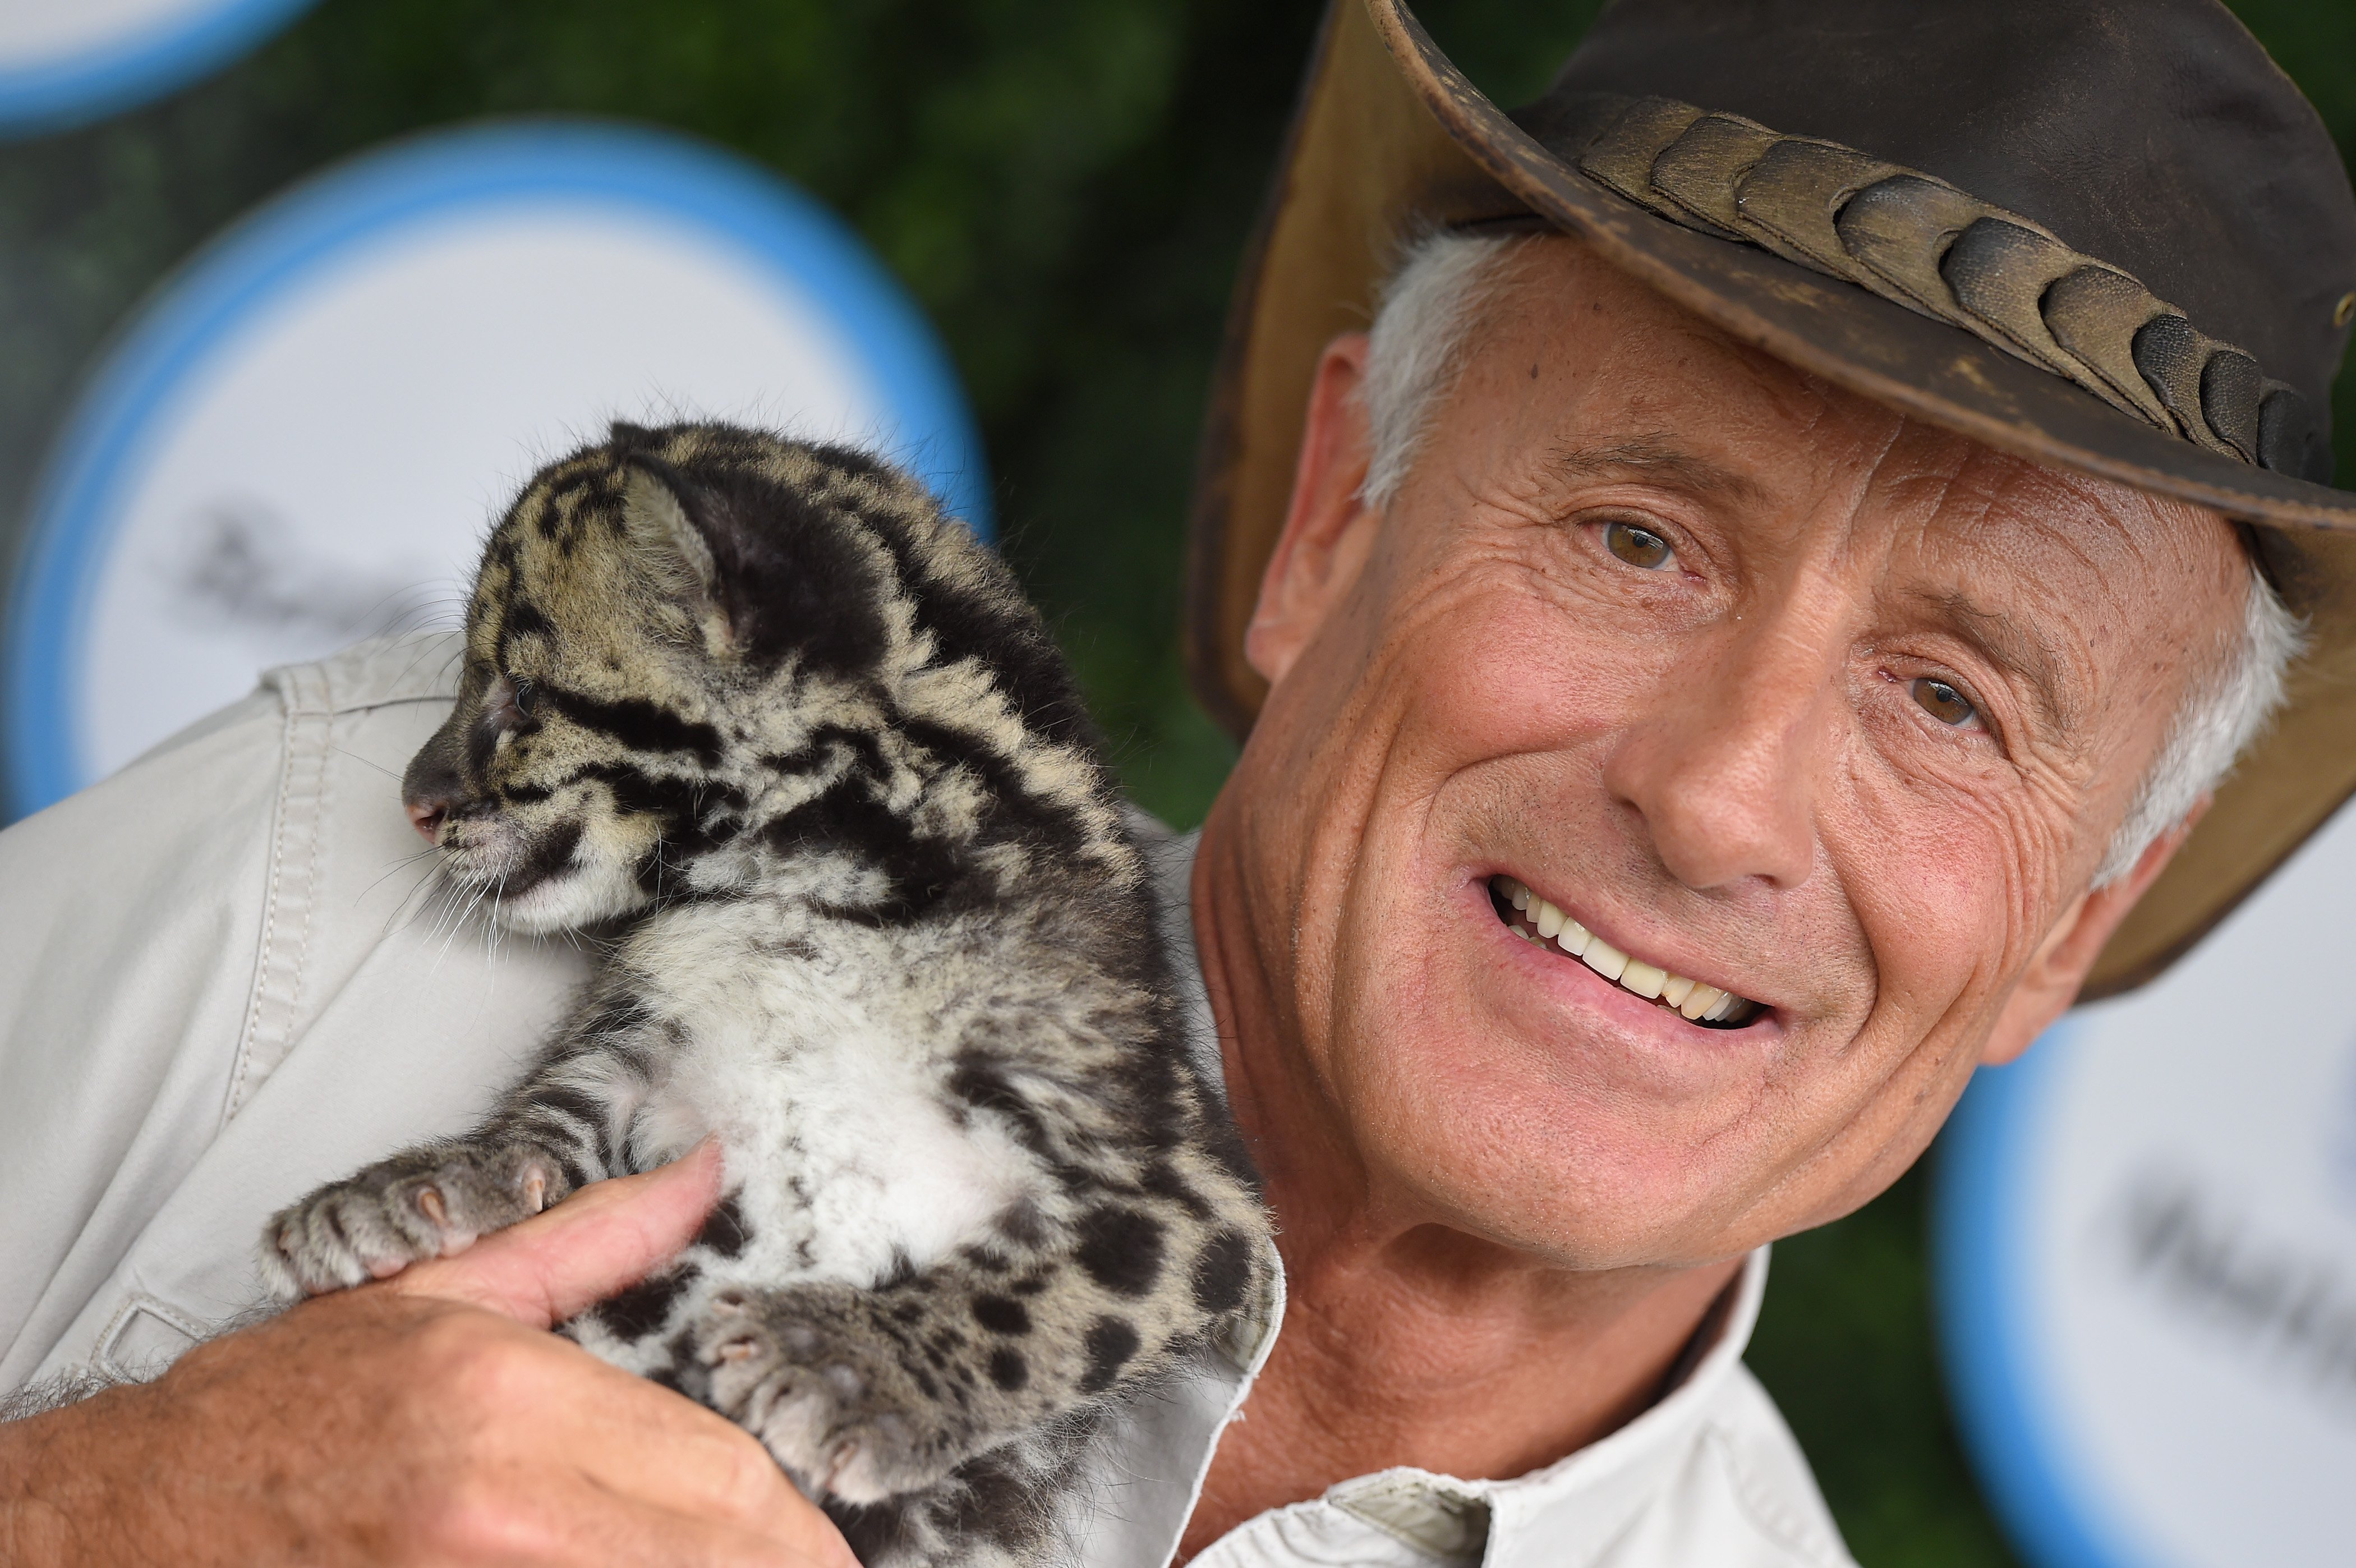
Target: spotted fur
{"type": "Point", "coordinates": [757, 713]}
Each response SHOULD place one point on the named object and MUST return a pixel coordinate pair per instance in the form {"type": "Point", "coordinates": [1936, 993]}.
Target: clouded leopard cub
{"type": "Point", "coordinates": [759, 711]}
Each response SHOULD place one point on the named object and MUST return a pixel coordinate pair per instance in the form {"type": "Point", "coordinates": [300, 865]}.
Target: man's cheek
{"type": "Point", "coordinates": [1508, 675]}
{"type": "Point", "coordinates": [1942, 896]}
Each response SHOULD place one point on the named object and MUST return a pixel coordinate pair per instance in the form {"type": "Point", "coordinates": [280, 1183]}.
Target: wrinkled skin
{"type": "Point", "coordinates": [1731, 746]}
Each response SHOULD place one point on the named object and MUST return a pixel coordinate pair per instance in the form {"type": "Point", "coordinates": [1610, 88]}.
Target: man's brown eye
{"type": "Point", "coordinates": [1943, 702]}
{"type": "Point", "coordinates": [1637, 546]}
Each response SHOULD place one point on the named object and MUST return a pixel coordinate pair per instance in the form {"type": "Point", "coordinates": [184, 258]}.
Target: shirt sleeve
{"type": "Point", "coordinates": [130, 925]}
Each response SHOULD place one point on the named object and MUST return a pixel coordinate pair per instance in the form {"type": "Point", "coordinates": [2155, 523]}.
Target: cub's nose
{"type": "Point", "coordinates": [432, 788]}
{"type": "Point", "coordinates": [426, 815]}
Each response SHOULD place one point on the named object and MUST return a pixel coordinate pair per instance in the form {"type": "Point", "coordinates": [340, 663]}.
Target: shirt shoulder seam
{"type": "Point", "coordinates": [417, 667]}
{"type": "Point", "coordinates": [282, 956]}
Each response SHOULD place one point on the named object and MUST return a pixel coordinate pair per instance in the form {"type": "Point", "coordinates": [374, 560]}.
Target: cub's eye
{"type": "Point", "coordinates": [1945, 703]}
{"type": "Point", "coordinates": [1637, 546]}
{"type": "Point", "coordinates": [527, 698]}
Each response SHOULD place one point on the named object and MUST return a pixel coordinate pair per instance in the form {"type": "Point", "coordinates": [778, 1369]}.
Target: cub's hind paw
{"type": "Point", "coordinates": [427, 1204]}
{"type": "Point", "coordinates": [811, 1372]}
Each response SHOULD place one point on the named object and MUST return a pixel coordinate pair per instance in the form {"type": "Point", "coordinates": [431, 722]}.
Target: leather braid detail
{"type": "Point", "coordinates": [1919, 242]}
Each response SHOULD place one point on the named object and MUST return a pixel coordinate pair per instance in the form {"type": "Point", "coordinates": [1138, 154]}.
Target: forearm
{"type": "Point", "coordinates": [57, 1507]}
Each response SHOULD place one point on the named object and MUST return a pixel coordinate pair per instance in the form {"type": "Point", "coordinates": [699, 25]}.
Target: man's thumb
{"type": "Point", "coordinates": [609, 1235]}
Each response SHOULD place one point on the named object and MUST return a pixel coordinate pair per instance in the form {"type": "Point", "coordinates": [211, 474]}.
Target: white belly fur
{"type": "Point", "coordinates": [825, 1082]}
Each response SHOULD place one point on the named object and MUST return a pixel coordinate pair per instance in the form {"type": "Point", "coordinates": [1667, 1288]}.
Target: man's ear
{"type": "Point", "coordinates": [2074, 944]}
{"type": "Point", "coordinates": [1330, 529]}
{"type": "Point", "coordinates": [670, 549]}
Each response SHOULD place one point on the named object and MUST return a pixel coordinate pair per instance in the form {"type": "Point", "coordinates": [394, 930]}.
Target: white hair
{"type": "Point", "coordinates": [2222, 712]}
{"type": "Point", "coordinates": [1415, 350]}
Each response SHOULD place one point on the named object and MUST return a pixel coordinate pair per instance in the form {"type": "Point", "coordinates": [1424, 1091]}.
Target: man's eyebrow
{"type": "Point", "coordinates": [1656, 458]}
{"type": "Point", "coordinates": [2016, 647]}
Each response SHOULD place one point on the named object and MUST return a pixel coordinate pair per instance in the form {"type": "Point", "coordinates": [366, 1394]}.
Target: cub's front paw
{"type": "Point", "coordinates": [810, 1373]}
{"type": "Point", "coordinates": [427, 1204]}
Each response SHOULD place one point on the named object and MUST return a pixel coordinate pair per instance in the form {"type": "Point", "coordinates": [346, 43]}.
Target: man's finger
{"type": "Point", "coordinates": [609, 1235]}
{"type": "Point", "coordinates": [580, 1524]}
{"type": "Point", "coordinates": [679, 1456]}
{"type": "Point", "coordinates": [539, 1273]}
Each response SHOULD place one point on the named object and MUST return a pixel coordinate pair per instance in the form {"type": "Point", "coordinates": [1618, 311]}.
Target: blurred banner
{"type": "Point", "coordinates": [304, 436]}
{"type": "Point", "coordinates": [2146, 1255]}
{"type": "Point", "coordinates": [64, 62]}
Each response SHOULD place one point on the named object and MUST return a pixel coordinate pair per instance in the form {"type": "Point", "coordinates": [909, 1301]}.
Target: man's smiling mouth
{"type": "Point", "coordinates": [1534, 918]}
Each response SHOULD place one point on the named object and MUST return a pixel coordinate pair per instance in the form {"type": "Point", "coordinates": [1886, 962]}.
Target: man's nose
{"type": "Point", "coordinates": [1723, 764]}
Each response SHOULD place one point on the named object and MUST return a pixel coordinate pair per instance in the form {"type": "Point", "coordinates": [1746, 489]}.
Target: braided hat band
{"type": "Point", "coordinates": [1919, 242]}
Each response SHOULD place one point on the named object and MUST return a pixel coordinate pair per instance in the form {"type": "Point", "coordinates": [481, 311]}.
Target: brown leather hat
{"type": "Point", "coordinates": [2108, 235]}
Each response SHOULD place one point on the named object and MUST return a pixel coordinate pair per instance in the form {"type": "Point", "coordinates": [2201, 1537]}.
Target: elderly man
{"type": "Point", "coordinates": [1749, 633]}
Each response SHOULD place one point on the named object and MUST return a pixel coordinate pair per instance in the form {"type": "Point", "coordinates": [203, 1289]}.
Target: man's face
{"type": "Point", "coordinates": [1762, 684]}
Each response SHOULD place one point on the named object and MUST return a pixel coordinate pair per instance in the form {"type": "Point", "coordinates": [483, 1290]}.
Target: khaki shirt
{"type": "Point", "coordinates": [218, 990]}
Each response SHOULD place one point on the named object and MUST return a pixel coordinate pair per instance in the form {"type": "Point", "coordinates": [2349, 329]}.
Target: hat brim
{"type": "Point", "coordinates": [1390, 136]}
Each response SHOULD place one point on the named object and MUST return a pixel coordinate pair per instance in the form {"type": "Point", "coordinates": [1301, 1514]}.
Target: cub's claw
{"type": "Point", "coordinates": [802, 1371]}
{"type": "Point", "coordinates": [427, 1204]}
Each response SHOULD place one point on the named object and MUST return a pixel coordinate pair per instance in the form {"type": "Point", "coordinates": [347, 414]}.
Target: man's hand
{"type": "Point", "coordinates": [427, 1419]}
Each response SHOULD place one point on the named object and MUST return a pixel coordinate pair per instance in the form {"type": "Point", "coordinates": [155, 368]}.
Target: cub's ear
{"type": "Point", "coordinates": [669, 547]}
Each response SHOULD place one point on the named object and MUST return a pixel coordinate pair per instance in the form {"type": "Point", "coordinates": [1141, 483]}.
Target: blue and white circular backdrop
{"type": "Point", "coordinates": [64, 62]}
{"type": "Point", "coordinates": [2147, 1254]}
{"type": "Point", "coordinates": [302, 440]}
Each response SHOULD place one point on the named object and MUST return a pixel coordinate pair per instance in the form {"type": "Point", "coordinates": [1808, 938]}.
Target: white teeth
{"type": "Point", "coordinates": [1573, 937]}
{"type": "Point", "coordinates": [1603, 958]}
{"type": "Point", "coordinates": [1548, 925]}
{"type": "Point", "coordinates": [1644, 979]}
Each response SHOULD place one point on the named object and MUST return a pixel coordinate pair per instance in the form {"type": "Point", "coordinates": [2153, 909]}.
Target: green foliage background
{"type": "Point", "coordinates": [1066, 184]}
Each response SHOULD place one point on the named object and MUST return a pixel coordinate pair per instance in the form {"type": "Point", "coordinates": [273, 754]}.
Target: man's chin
{"type": "Point", "coordinates": [1560, 1151]}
